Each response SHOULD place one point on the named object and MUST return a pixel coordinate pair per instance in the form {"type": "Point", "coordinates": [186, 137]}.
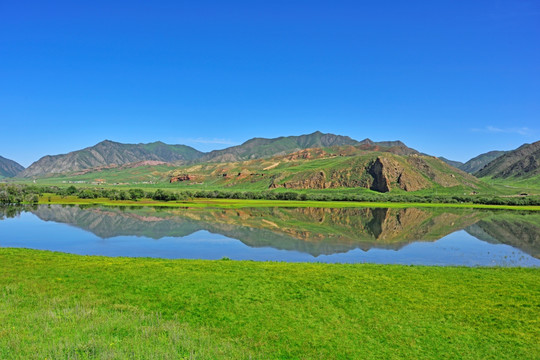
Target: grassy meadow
{"type": "Point", "coordinates": [60, 306]}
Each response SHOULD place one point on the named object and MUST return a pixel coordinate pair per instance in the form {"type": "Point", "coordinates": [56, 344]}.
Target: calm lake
{"type": "Point", "coordinates": [417, 236]}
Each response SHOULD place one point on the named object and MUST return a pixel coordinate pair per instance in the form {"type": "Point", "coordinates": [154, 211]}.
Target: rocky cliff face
{"type": "Point", "coordinates": [379, 173]}
{"type": "Point", "coordinates": [388, 173]}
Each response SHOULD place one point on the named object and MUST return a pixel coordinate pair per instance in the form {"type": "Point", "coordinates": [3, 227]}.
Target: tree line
{"type": "Point", "coordinates": [29, 194]}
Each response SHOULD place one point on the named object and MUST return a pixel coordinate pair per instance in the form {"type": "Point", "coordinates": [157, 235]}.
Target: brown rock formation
{"type": "Point", "coordinates": [378, 171]}
{"type": "Point", "coordinates": [387, 172]}
{"type": "Point", "coordinates": [183, 177]}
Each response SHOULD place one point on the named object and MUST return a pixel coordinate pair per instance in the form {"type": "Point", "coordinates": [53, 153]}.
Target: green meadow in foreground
{"type": "Point", "coordinates": [60, 306]}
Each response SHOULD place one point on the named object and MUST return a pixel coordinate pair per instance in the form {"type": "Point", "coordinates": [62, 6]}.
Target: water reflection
{"type": "Point", "coordinates": [314, 231]}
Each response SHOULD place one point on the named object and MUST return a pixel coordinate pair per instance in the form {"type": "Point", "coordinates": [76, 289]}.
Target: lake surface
{"type": "Point", "coordinates": [416, 236]}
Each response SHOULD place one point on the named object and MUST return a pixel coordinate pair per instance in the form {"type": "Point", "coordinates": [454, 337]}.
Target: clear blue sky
{"type": "Point", "coordinates": [449, 78]}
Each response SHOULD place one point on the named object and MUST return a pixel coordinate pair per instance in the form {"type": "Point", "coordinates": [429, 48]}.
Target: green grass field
{"type": "Point", "coordinates": [59, 306]}
{"type": "Point", "coordinates": [529, 185]}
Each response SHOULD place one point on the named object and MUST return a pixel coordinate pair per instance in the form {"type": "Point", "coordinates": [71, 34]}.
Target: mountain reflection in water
{"type": "Point", "coordinates": [315, 231]}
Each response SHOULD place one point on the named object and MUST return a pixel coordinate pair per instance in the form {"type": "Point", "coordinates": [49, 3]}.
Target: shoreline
{"type": "Point", "coordinates": [245, 203]}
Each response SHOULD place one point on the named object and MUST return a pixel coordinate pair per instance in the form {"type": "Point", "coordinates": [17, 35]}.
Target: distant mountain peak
{"type": "Point", "coordinates": [107, 141]}
{"type": "Point", "coordinates": [9, 168]}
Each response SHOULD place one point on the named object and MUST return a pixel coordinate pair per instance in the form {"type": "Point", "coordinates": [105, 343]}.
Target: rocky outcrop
{"type": "Point", "coordinates": [317, 181]}
{"type": "Point", "coordinates": [377, 170]}
{"type": "Point", "coordinates": [388, 172]}
{"type": "Point", "coordinates": [183, 177]}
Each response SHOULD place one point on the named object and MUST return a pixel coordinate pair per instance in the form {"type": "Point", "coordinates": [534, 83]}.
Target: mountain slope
{"type": "Point", "coordinates": [520, 163]}
{"type": "Point", "coordinates": [257, 148]}
{"type": "Point", "coordinates": [9, 168]}
{"type": "Point", "coordinates": [456, 164]}
{"type": "Point", "coordinates": [110, 153]}
{"type": "Point", "coordinates": [477, 163]}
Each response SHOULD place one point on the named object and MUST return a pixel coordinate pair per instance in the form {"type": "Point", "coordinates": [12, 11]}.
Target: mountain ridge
{"type": "Point", "coordinates": [266, 147]}
{"type": "Point", "coordinates": [108, 152]}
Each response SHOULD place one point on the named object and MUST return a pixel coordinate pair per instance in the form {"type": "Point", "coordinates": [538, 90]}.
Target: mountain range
{"type": "Point", "coordinates": [312, 161]}
{"type": "Point", "coordinates": [107, 153]}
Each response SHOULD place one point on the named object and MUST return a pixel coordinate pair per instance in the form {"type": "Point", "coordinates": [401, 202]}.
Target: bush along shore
{"type": "Point", "coordinates": [16, 194]}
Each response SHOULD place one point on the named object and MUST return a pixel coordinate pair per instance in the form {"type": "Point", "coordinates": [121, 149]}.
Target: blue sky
{"type": "Point", "coordinates": [449, 78]}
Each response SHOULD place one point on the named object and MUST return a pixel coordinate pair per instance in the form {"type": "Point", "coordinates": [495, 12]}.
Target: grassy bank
{"type": "Point", "coordinates": [66, 306]}
{"type": "Point", "coordinates": [245, 203]}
